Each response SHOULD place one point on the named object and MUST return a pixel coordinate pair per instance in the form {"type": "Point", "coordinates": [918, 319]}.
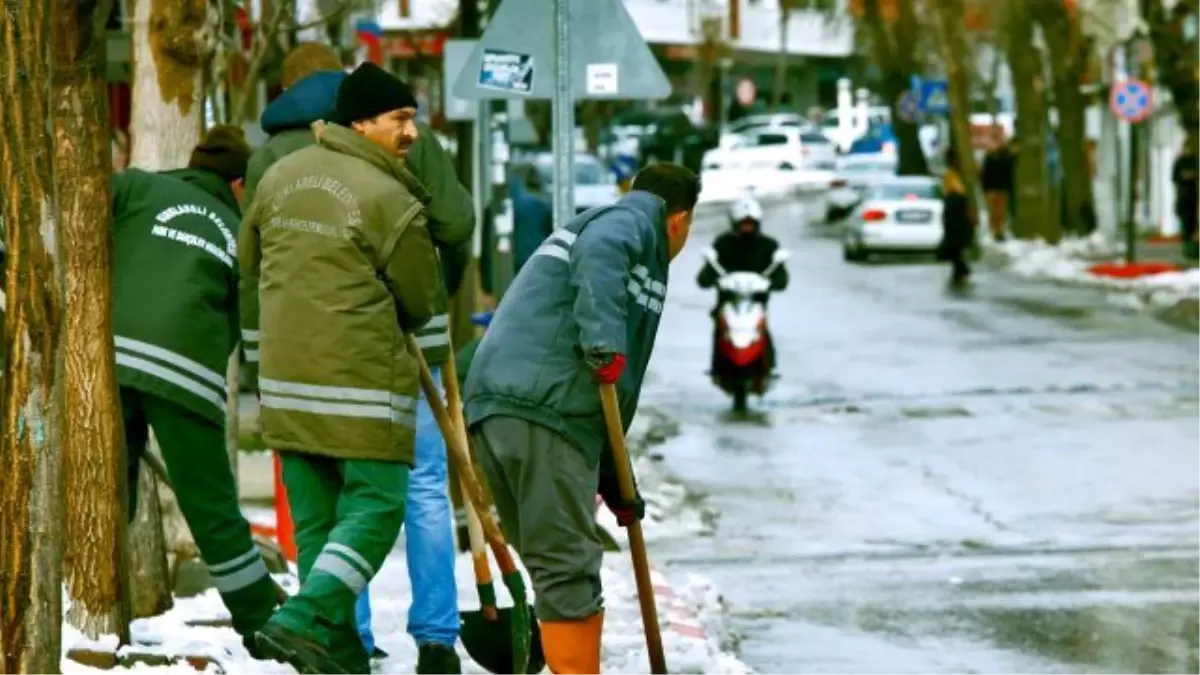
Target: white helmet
{"type": "Point", "coordinates": [746, 207]}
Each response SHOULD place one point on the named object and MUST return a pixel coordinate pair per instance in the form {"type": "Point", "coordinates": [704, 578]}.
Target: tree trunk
{"type": "Point", "coordinates": [1035, 217]}
{"type": "Point", "coordinates": [892, 49]}
{"type": "Point", "coordinates": [1069, 60]}
{"type": "Point", "coordinates": [31, 488]}
{"type": "Point", "coordinates": [93, 439]}
{"type": "Point", "coordinates": [149, 575]}
{"type": "Point", "coordinates": [1175, 57]}
{"type": "Point", "coordinates": [172, 40]}
{"type": "Point", "coordinates": [947, 15]}
{"type": "Point", "coordinates": [781, 62]}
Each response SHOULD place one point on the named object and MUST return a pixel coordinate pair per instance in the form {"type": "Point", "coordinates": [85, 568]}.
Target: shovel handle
{"type": "Point", "coordinates": [637, 543]}
{"type": "Point", "coordinates": [460, 456]}
{"type": "Point", "coordinates": [479, 558]}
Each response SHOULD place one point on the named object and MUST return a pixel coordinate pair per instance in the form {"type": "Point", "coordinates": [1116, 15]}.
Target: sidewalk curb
{"type": "Point", "coordinates": [675, 615]}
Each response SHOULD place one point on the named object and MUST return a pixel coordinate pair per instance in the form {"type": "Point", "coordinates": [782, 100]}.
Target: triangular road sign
{"type": "Point", "coordinates": [515, 58]}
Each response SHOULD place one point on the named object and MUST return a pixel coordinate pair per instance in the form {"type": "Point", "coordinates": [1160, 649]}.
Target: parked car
{"type": "Point", "coordinates": [664, 134]}
{"type": "Point", "coordinates": [853, 175]}
{"type": "Point", "coordinates": [781, 148]}
{"type": "Point", "coordinates": [734, 130]}
{"type": "Point", "coordinates": [595, 184]}
{"type": "Point", "coordinates": [899, 215]}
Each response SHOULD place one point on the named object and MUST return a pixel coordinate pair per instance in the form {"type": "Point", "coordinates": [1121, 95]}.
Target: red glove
{"type": "Point", "coordinates": [610, 372]}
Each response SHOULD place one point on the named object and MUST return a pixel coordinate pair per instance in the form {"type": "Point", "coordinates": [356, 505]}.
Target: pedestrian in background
{"type": "Point", "coordinates": [175, 323]}
{"type": "Point", "coordinates": [958, 224]}
{"type": "Point", "coordinates": [997, 180]}
{"type": "Point", "coordinates": [533, 213]}
{"type": "Point", "coordinates": [312, 74]}
{"type": "Point", "coordinates": [337, 258]}
{"type": "Point", "coordinates": [584, 310]}
{"type": "Point", "coordinates": [1185, 174]}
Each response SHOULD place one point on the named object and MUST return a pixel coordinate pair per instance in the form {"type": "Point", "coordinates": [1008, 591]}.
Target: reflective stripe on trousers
{"type": "Point", "coordinates": [241, 572]}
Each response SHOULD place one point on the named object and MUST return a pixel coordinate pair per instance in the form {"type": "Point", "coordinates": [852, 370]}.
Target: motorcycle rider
{"type": "Point", "coordinates": [744, 249]}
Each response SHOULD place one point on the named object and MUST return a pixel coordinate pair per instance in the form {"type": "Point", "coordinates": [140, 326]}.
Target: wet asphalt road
{"type": "Point", "coordinates": [1001, 482]}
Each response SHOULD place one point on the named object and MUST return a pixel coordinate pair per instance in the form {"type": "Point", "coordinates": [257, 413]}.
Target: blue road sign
{"type": "Point", "coordinates": [908, 106]}
{"type": "Point", "coordinates": [935, 97]}
{"type": "Point", "coordinates": [1131, 100]}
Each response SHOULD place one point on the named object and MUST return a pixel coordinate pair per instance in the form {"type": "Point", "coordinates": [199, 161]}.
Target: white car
{"type": "Point", "coordinates": [853, 175]}
{"type": "Point", "coordinates": [595, 184]}
{"type": "Point", "coordinates": [780, 148]}
{"type": "Point", "coordinates": [901, 215]}
{"type": "Point", "coordinates": [734, 130]}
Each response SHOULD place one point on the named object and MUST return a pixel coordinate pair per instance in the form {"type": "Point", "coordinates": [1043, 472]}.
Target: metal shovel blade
{"type": "Point", "coordinates": [490, 643]}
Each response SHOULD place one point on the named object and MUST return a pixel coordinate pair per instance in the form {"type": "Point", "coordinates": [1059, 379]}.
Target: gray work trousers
{"type": "Point", "coordinates": [545, 495]}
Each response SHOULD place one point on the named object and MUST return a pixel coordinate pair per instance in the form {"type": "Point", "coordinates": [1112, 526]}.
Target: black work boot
{"type": "Point", "coordinates": [307, 657]}
{"type": "Point", "coordinates": [439, 659]}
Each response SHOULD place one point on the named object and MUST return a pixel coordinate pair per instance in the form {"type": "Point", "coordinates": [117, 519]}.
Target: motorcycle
{"type": "Point", "coordinates": [742, 363]}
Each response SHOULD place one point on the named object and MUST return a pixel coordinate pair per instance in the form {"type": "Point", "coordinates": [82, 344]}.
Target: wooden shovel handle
{"type": "Point", "coordinates": [483, 571]}
{"type": "Point", "coordinates": [637, 543]}
{"type": "Point", "coordinates": [458, 453]}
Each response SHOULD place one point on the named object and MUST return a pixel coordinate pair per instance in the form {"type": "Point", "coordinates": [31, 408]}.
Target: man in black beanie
{"type": "Point", "coordinates": [175, 321]}
{"type": "Point", "coordinates": [337, 268]}
{"type": "Point", "coordinates": [312, 75]}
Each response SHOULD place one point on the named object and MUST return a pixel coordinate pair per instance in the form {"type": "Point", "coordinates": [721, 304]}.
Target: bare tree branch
{"type": "Point", "coordinates": [266, 33]}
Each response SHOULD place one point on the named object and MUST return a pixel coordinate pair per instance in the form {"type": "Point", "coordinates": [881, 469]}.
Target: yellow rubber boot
{"type": "Point", "coordinates": [573, 647]}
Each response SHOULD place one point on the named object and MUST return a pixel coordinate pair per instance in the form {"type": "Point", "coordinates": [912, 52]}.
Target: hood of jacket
{"type": "Point", "coordinates": [307, 101]}
{"type": "Point", "coordinates": [210, 182]}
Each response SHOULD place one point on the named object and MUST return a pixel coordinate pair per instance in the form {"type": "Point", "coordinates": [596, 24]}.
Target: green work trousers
{"type": "Point", "coordinates": [193, 448]}
{"type": "Point", "coordinates": [347, 515]}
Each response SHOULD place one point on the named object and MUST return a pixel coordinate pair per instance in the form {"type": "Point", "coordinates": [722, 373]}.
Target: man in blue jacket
{"type": "Point", "coordinates": [311, 76]}
{"type": "Point", "coordinates": [584, 310]}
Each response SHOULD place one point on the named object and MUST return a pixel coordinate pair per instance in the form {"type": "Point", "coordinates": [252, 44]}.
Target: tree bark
{"type": "Point", "coordinates": [1068, 62]}
{"type": "Point", "coordinates": [172, 42]}
{"type": "Point", "coordinates": [1034, 212]}
{"type": "Point", "coordinates": [93, 438]}
{"type": "Point", "coordinates": [149, 575]}
{"type": "Point", "coordinates": [892, 48]}
{"type": "Point", "coordinates": [30, 446]}
{"type": "Point", "coordinates": [1175, 58]}
{"type": "Point", "coordinates": [947, 18]}
{"type": "Point", "coordinates": [172, 39]}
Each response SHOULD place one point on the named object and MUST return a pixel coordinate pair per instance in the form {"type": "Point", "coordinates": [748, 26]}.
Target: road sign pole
{"type": "Point", "coordinates": [1131, 205]}
{"type": "Point", "coordinates": [563, 106]}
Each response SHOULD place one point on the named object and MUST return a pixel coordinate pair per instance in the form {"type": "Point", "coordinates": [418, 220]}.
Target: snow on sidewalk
{"type": "Point", "coordinates": [692, 614]}
{"type": "Point", "coordinates": [1070, 261]}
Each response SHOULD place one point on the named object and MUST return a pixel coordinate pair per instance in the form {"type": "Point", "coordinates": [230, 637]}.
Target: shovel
{"type": "Point", "coordinates": [519, 619]}
{"type": "Point", "coordinates": [637, 543]}
{"type": "Point", "coordinates": [487, 633]}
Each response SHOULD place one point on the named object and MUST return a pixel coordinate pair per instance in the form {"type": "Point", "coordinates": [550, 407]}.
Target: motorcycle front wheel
{"type": "Point", "coordinates": [740, 393]}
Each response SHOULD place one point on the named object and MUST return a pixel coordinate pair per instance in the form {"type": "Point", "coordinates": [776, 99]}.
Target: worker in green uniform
{"type": "Point", "coordinates": [338, 269]}
{"type": "Point", "coordinates": [175, 320]}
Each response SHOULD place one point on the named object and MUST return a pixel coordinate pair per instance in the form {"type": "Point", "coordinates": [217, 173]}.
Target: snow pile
{"type": "Point", "coordinates": [692, 615]}
{"type": "Point", "coordinates": [1071, 260]}
{"type": "Point", "coordinates": [696, 607]}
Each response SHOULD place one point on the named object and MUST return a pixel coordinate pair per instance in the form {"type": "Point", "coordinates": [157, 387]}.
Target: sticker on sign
{"type": "Point", "coordinates": [601, 78]}
{"type": "Point", "coordinates": [506, 71]}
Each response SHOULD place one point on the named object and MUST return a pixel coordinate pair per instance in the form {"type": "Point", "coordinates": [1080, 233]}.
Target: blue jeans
{"type": "Point", "coordinates": [429, 537]}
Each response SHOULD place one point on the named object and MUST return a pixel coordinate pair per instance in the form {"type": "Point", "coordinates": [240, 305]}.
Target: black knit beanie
{"type": "Point", "coordinates": [224, 151]}
{"type": "Point", "coordinates": [368, 92]}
